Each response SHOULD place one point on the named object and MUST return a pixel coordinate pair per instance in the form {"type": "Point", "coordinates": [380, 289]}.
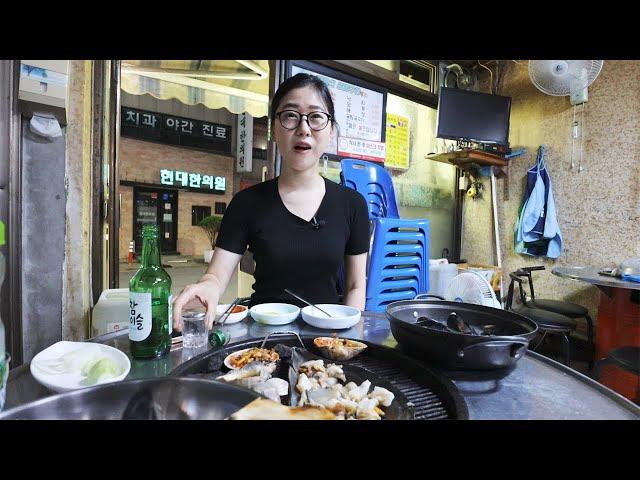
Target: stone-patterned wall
{"type": "Point", "coordinates": [599, 208]}
{"type": "Point", "coordinates": [142, 161]}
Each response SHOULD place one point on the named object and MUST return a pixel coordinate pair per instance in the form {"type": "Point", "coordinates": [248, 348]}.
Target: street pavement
{"type": "Point", "coordinates": [182, 274]}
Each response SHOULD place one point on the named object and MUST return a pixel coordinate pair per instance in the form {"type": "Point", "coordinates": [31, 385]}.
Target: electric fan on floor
{"type": "Point", "coordinates": [471, 287]}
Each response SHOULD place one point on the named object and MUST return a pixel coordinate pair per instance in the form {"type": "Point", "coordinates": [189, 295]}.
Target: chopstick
{"type": "Point", "coordinates": [305, 301]}
{"type": "Point", "coordinates": [227, 312]}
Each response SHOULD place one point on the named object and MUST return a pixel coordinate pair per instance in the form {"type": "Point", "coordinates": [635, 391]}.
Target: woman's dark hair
{"type": "Point", "coordinates": [302, 80]}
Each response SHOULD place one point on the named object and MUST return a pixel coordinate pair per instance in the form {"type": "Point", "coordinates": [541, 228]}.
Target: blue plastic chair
{"type": "Point", "coordinates": [374, 183]}
{"type": "Point", "coordinates": [398, 261]}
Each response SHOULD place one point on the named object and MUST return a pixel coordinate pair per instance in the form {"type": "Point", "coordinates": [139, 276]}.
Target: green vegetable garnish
{"type": "Point", "coordinates": [102, 369]}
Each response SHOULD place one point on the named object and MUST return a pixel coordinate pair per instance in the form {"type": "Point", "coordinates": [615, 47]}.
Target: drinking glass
{"type": "Point", "coordinates": [4, 374]}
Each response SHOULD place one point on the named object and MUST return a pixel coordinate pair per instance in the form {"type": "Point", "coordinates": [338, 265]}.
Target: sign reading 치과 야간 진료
{"type": "Point", "coordinates": [193, 180]}
{"type": "Point", "coordinates": [174, 130]}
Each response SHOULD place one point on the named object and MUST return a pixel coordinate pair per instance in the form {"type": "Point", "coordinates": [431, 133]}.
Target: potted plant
{"type": "Point", "coordinates": [211, 225]}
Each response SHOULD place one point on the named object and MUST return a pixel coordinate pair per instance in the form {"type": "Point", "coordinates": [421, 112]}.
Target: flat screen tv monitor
{"type": "Point", "coordinates": [473, 116]}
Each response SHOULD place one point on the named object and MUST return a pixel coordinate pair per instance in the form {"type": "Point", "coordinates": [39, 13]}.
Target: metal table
{"type": "Point", "coordinates": [618, 322]}
{"type": "Point", "coordinates": [591, 275]}
{"type": "Point", "coordinates": [539, 388]}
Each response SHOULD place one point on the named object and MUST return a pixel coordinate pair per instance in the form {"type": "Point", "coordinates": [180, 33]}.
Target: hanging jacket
{"type": "Point", "coordinates": [537, 232]}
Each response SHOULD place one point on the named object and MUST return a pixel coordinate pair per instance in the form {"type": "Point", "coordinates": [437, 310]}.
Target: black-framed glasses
{"type": "Point", "coordinates": [290, 119]}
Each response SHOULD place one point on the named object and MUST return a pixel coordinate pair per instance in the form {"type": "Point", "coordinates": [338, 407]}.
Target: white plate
{"type": "Point", "coordinates": [275, 313]}
{"type": "Point", "coordinates": [227, 360]}
{"type": "Point", "coordinates": [233, 317]}
{"type": "Point", "coordinates": [342, 316]}
{"type": "Point", "coordinates": [65, 382]}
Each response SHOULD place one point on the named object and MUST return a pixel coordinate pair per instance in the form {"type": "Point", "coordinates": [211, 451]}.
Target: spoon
{"type": "Point", "coordinates": [308, 303]}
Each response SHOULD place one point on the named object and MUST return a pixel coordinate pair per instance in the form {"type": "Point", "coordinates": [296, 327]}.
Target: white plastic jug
{"type": "Point", "coordinates": [435, 269]}
{"type": "Point", "coordinates": [447, 273]}
{"type": "Point", "coordinates": [111, 313]}
{"type": "Point", "coordinates": [434, 275]}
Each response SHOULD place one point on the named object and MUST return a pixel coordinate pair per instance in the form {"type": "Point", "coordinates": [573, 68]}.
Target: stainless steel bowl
{"type": "Point", "coordinates": [171, 398]}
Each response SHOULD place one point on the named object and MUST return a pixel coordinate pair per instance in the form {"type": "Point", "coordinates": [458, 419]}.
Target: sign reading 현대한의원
{"type": "Point", "coordinates": [193, 180]}
{"type": "Point", "coordinates": [175, 130]}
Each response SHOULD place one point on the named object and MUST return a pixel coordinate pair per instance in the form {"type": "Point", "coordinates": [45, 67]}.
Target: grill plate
{"type": "Point", "coordinates": [433, 396]}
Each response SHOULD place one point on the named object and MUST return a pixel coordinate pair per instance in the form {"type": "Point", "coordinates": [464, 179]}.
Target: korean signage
{"type": "Point", "coordinates": [363, 149]}
{"type": "Point", "coordinates": [175, 130]}
{"type": "Point", "coordinates": [397, 141]}
{"type": "Point", "coordinates": [244, 143]}
{"type": "Point", "coordinates": [193, 180]}
{"type": "Point", "coordinates": [359, 111]}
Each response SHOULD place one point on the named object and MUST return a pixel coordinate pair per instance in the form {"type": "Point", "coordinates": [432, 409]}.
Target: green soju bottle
{"type": "Point", "coordinates": [150, 324]}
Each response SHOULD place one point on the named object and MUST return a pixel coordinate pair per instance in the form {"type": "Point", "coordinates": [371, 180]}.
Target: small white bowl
{"type": "Point", "coordinates": [275, 313]}
{"type": "Point", "coordinates": [342, 316]}
{"type": "Point", "coordinates": [233, 317]}
{"type": "Point", "coordinates": [65, 382]}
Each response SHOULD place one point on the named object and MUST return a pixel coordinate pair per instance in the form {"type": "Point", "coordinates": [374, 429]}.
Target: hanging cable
{"type": "Point", "coordinates": [574, 134]}
{"type": "Point", "coordinates": [581, 136]}
{"type": "Point", "coordinates": [490, 73]}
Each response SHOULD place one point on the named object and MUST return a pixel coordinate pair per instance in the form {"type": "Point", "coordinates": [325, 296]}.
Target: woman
{"type": "Point", "coordinates": [299, 226]}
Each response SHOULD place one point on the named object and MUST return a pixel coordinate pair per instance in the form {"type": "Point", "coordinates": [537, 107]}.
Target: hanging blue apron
{"type": "Point", "coordinates": [536, 231]}
{"type": "Point", "coordinates": [530, 224]}
{"type": "Point", "coordinates": [551, 227]}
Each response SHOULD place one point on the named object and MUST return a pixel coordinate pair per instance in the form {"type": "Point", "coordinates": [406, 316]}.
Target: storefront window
{"type": "Point", "coordinates": [198, 213]}
{"type": "Point", "coordinates": [193, 133]}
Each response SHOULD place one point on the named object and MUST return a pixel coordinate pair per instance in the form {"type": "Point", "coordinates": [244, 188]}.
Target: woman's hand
{"type": "Point", "coordinates": [205, 292]}
{"type": "Point", "coordinates": [209, 288]}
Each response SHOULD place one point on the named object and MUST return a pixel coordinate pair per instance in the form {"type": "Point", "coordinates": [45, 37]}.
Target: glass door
{"type": "Point", "coordinates": [160, 207]}
{"type": "Point", "coordinates": [168, 216]}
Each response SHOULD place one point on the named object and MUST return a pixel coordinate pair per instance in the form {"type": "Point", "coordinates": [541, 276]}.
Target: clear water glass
{"type": "Point", "coordinates": [4, 375]}
{"type": "Point", "coordinates": [194, 330]}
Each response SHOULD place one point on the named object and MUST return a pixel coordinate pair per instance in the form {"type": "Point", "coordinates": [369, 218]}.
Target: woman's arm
{"type": "Point", "coordinates": [355, 267]}
{"type": "Point", "coordinates": [209, 288]}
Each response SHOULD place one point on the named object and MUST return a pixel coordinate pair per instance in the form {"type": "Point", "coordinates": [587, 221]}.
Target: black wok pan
{"type": "Point", "coordinates": [509, 340]}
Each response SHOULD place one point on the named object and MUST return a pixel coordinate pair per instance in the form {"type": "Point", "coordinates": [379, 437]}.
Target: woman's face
{"type": "Point", "coordinates": [302, 147]}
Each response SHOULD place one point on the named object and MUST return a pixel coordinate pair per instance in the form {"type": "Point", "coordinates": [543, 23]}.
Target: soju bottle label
{"type": "Point", "coordinates": [170, 314]}
{"type": "Point", "coordinates": [139, 316]}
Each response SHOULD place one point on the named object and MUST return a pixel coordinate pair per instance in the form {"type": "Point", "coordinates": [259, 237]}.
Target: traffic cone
{"type": "Point", "coordinates": [131, 252]}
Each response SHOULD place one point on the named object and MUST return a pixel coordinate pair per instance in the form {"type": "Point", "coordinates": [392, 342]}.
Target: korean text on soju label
{"type": "Point", "coordinates": [139, 316]}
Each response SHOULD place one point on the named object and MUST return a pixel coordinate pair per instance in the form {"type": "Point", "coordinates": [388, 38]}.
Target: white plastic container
{"type": "Point", "coordinates": [111, 313]}
{"type": "Point", "coordinates": [435, 267]}
{"type": "Point", "coordinates": [447, 273]}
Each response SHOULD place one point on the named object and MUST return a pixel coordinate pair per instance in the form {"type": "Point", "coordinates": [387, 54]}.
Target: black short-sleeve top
{"type": "Point", "coordinates": [289, 251]}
